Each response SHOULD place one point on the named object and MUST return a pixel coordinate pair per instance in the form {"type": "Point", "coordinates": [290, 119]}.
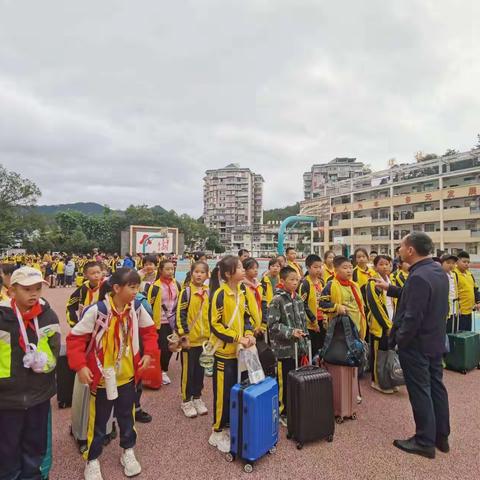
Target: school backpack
{"type": "Point", "coordinates": [342, 344]}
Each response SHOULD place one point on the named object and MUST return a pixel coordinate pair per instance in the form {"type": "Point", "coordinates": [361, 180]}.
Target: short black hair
{"type": "Point", "coordinates": [311, 259]}
{"type": "Point", "coordinates": [91, 264]}
{"type": "Point", "coordinates": [249, 263]}
{"type": "Point", "coordinates": [273, 261]}
{"type": "Point", "coordinates": [381, 257]}
{"type": "Point", "coordinates": [289, 249]}
{"type": "Point", "coordinates": [150, 259]}
{"type": "Point", "coordinates": [463, 254]}
{"type": "Point", "coordinates": [242, 251]}
{"type": "Point", "coordinates": [337, 261]}
{"type": "Point", "coordinates": [420, 242]}
{"type": "Point", "coordinates": [286, 271]}
{"type": "Point", "coordinates": [198, 255]}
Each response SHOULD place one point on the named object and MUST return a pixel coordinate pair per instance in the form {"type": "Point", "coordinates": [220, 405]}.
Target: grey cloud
{"type": "Point", "coordinates": [130, 102]}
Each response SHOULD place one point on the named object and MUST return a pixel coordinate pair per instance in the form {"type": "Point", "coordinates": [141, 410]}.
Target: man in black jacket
{"type": "Point", "coordinates": [419, 330]}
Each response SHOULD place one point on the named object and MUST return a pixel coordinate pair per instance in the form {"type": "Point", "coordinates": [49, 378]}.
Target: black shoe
{"type": "Point", "coordinates": [142, 417]}
{"type": "Point", "coordinates": [411, 446]}
{"type": "Point", "coordinates": [442, 444]}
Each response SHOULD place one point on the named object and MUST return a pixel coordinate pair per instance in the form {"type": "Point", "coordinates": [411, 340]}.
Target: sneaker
{"type": "Point", "coordinates": [396, 389]}
{"type": "Point", "coordinates": [382, 390]}
{"type": "Point", "coordinates": [283, 420]}
{"type": "Point", "coordinates": [200, 407]}
{"type": "Point", "coordinates": [189, 409]}
{"type": "Point", "coordinates": [165, 379]}
{"type": "Point", "coordinates": [92, 471]}
{"type": "Point", "coordinates": [221, 440]}
{"type": "Point", "coordinates": [130, 464]}
{"type": "Point", "coordinates": [142, 417]}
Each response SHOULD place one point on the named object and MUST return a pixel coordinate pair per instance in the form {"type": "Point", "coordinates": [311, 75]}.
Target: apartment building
{"type": "Point", "coordinates": [440, 197]}
{"type": "Point", "coordinates": [316, 180]}
{"type": "Point", "coordinates": [263, 242]}
{"type": "Point", "coordinates": [232, 197]}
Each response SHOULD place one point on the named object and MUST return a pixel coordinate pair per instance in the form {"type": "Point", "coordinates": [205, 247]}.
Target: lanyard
{"type": "Point", "coordinates": [29, 346]}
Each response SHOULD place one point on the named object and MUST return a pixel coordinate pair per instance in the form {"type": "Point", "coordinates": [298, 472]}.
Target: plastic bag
{"type": "Point", "coordinates": [249, 360]}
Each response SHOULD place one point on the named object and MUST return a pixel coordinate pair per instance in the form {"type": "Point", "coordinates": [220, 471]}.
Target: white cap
{"type": "Point", "coordinates": [26, 276]}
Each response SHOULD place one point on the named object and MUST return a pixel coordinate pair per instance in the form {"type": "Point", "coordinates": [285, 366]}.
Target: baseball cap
{"type": "Point", "coordinates": [448, 256]}
{"type": "Point", "coordinates": [26, 276]}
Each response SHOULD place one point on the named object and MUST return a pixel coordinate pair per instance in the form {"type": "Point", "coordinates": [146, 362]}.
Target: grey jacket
{"type": "Point", "coordinates": [284, 315]}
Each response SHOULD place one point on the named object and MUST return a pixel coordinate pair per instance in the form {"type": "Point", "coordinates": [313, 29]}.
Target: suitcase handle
{"type": "Point", "coordinates": [309, 343]}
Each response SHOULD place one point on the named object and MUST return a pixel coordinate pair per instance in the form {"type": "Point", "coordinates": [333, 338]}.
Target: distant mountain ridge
{"type": "Point", "coordinates": [88, 208]}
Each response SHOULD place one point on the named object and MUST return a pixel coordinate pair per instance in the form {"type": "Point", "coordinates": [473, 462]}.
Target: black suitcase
{"type": "Point", "coordinates": [310, 414]}
{"type": "Point", "coordinates": [65, 380]}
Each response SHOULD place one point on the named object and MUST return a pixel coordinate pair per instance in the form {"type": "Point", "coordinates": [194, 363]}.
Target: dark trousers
{"type": "Point", "coordinates": [192, 374]}
{"type": "Point", "coordinates": [165, 353]}
{"type": "Point", "coordinates": [317, 339]}
{"type": "Point", "coordinates": [100, 412]}
{"type": "Point", "coordinates": [61, 279]}
{"type": "Point", "coordinates": [138, 395]}
{"type": "Point", "coordinates": [465, 323]}
{"type": "Point", "coordinates": [284, 366]}
{"type": "Point", "coordinates": [376, 344]}
{"type": "Point", "coordinates": [24, 442]}
{"type": "Point", "coordinates": [225, 376]}
{"type": "Point", "coordinates": [428, 395]}
{"type": "Point", "coordinates": [69, 280]}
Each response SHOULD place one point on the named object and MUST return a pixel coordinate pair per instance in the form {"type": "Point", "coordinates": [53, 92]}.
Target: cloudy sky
{"type": "Point", "coordinates": [124, 102]}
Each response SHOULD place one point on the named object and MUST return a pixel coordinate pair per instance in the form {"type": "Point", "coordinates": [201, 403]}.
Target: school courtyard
{"type": "Point", "coordinates": [174, 447]}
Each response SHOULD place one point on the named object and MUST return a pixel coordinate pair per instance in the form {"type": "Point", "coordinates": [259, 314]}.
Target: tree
{"type": "Point", "coordinates": [15, 192]}
{"type": "Point", "coordinates": [450, 151]}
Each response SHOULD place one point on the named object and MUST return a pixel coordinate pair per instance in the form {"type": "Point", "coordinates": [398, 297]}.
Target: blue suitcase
{"type": "Point", "coordinates": [253, 420]}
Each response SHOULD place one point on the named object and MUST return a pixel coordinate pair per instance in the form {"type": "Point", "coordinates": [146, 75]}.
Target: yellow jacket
{"type": "Point", "coordinates": [308, 293]}
{"type": "Point", "coordinates": [154, 297]}
{"type": "Point", "coordinates": [378, 320]}
{"type": "Point", "coordinates": [254, 308]}
{"type": "Point", "coordinates": [227, 322]}
{"type": "Point", "coordinates": [192, 315]}
{"type": "Point", "coordinates": [468, 294]}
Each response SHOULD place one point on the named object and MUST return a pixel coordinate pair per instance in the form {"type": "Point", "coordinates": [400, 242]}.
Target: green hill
{"type": "Point", "coordinates": [88, 208]}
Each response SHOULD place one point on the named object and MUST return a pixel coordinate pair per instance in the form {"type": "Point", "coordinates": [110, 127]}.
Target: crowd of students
{"type": "Point", "coordinates": [124, 310]}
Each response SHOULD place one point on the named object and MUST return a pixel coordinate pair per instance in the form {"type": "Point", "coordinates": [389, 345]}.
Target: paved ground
{"type": "Point", "coordinates": [175, 447]}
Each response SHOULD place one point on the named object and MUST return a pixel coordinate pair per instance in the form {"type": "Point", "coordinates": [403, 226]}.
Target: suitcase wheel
{"type": "Point", "coordinates": [330, 438]}
{"type": "Point", "coordinates": [354, 416]}
{"type": "Point", "coordinates": [339, 420]}
{"type": "Point", "coordinates": [299, 446]}
{"type": "Point", "coordinates": [272, 450]}
{"type": "Point", "coordinates": [229, 457]}
{"type": "Point", "coordinates": [248, 468]}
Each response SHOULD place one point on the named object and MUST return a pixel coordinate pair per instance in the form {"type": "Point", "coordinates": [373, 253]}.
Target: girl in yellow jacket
{"type": "Point", "coordinates": [231, 327]}
{"type": "Point", "coordinates": [254, 293]}
{"type": "Point", "coordinates": [193, 328]}
{"type": "Point", "coordinates": [269, 283]}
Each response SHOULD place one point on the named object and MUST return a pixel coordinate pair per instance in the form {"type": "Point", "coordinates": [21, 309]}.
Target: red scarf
{"type": "Point", "coordinates": [169, 283]}
{"type": "Point", "coordinates": [353, 286]}
{"type": "Point", "coordinates": [254, 288]}
{"type": "Point", "coordinates": [27, 317]}
{"type": "Point", "coordinates": [91, 291]}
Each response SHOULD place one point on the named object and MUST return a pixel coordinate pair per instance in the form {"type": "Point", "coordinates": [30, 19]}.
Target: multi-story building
{"type": "Point", "coordinates": [263, 242]}
{"type": "Point", "coordinates": [232, 197]}
{"type": "Point", "coordinates": [440, 197]}
{"type": "Point", "coordinates": [320, 176]}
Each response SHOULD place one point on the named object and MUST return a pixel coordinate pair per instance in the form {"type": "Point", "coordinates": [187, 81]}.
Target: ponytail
{"type": "Point", "coordinates": [214, 284]}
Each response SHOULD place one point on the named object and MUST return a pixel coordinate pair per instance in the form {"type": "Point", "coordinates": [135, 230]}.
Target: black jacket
{"type": "Point", "coordinates": [20, 387]}
{"type": "Point", "coordinates": [422, 309]}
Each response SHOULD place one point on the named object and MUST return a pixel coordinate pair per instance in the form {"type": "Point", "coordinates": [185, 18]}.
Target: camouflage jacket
{"type": "Point", "coordinates": [284, 315]}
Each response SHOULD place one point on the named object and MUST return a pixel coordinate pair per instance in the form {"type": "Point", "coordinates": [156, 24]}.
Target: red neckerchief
{"type": "Point", "coordinates": [91, 293]}
{"type": "Point", "coordinates": [169, 283]}
{"type": "Point", "coordinates": [254, 287]}
{"type": "Point", "coordinates": [27, 317]}
{"type": "Point", "coordinates": [122, 322]}
{"type": "Point", "coordinates": [353, 286]}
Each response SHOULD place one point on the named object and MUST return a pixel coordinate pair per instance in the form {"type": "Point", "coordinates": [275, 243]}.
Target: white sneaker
{"type": "Point", "coordinates": [92, 471]}
{"type": "Point", "coordinates": [221, 440]}
{"type": "Point", "coordinates": [189, 409]}
{"type": "Point", "coordinates": [130, 464]}
{"type": "Point", "coordinates": [200, 407]}
{"type": "Point", "coordinates": [165, 379]}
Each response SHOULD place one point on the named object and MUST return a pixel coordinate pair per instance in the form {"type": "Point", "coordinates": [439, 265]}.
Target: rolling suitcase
{"type": "Point", "coordinates": [464, 354]}
{"type": "Point", "coordinates": [253, 420]}
{"type": "Point", "coordinates": [80, 416]}
{"type": "Point", "coordinates": [152, 375]}
{"type": "Point", "coordinates": [65, 379]}
{"type": "Point", "coordinates": [345, 391]}
{"type": "Point", "coordinates": [309, 403]}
